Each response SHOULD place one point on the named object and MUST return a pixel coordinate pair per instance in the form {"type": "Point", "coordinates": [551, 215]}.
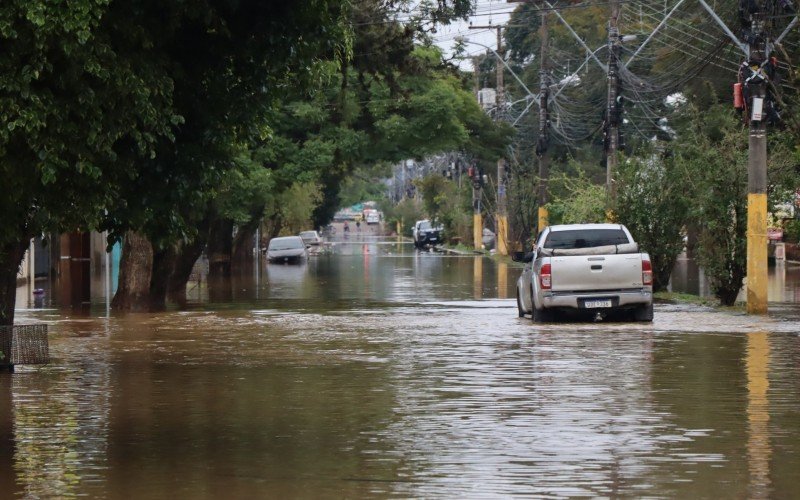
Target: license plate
{"type": "Point", "coordinates": [590, 304]}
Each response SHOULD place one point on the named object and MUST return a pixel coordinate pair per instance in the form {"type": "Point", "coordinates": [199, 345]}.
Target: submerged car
{"type": "Point", "coordinates": [311, 238]}
{"type": "Point", "coordinates": [287, 249]}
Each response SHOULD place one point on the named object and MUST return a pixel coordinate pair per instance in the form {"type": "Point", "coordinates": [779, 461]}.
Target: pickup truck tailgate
{"type": "Point", "coordinates": [596, 272]}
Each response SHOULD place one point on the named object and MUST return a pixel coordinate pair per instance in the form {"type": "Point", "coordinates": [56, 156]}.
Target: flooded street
{"type": "Point", "coordinates": [379, 371]}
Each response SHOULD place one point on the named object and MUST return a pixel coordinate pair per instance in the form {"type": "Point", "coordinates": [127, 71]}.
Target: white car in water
{"type": "Point", "coordinates": [311, 238]}
{"type": "Point", "coordinates": [287, 249]}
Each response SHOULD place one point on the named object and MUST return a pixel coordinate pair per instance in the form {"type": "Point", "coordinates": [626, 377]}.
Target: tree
{"type": "Point", "coordinates": [83, 98]}
{"type": "Point", "coordinates": [653, 202]}
{"type": "Point", "coordinates": [712, 156]}
{"type": "Point", "coordinates": [229, 62]}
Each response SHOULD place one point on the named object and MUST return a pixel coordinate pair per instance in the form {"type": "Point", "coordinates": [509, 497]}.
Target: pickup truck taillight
{"type": "Point", "coordinates": [545, 279]}
{"type": "Point", "coordinates": [647, 272]}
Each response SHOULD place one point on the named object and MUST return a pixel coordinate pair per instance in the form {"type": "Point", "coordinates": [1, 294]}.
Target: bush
{"type": "Point", "coordinates": [791, 231]}
{"type": "Point", "coordinates": [407, 212]}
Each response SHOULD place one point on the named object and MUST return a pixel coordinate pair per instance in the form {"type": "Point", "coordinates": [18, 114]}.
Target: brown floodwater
{"type": "Point", "coordinates": [378, 371]}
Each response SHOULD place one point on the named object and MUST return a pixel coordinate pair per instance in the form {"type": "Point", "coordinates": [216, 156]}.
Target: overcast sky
{"type": "Point", "coordinates": [494, 12]}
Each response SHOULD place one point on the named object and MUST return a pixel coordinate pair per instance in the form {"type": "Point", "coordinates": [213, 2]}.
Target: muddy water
{"type": "Point", "coordinates": [378, 371]}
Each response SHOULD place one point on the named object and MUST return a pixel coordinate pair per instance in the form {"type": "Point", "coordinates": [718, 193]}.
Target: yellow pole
{"type": "Point", "coordinates": [543, 218]}
{"type": "Point", "coordinates": [757, 277]}
{"type": "Point", "coordinates": [502, 235]}
{"type": "Point", "coordinates": [477, 231]}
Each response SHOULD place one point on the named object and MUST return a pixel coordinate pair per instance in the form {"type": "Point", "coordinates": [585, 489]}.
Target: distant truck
{"type": "Point", "coordinates": [591, 268]}
{"type": "Point", "coordinates": [372, 216]}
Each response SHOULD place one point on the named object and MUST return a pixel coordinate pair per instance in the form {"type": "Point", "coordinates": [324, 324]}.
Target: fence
{"type": "Point", "coordinates": [24, 345]}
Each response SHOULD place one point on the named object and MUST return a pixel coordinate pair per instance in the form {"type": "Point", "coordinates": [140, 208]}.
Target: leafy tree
{"type": "Point", "coordinates": [712, 156]}
{"type": "Point", "coordinates": [84, 98]}
{"type": "Point", "coordinates": [432, 188]}
{"type": "Point", "coordinates": [242, 57]}
{"type": "Point", "coordinates": [653, 202]}
{"type": "Point", "coordinates": [576, 200]}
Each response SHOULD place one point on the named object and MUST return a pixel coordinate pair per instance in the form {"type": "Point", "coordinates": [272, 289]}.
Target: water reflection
{"type": "Point", "coordinates": [380, 371]}
{"type": "Point", "coordinates": [759, 452]}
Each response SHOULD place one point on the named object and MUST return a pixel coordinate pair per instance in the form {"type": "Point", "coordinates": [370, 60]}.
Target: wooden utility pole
{"type": "Point", "coordinates": [543, 142]}
{"type": "Point", "coordinates": [613, 108]}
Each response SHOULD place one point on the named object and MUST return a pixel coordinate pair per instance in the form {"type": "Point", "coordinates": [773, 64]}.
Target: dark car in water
{"type": "Point", "coordinates": [426, 234]}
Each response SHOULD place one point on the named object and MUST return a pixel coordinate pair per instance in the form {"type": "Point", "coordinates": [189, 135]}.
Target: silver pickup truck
{"type": "Point", "coordinates": [591, 268]}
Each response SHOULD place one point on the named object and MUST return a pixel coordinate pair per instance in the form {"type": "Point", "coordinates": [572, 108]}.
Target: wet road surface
{"type": "Point", "coordinates": [378, 371]}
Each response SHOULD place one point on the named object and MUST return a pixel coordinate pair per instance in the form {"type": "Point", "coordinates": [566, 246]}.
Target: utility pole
{"type": "Point", "coordinates": [477, 217]}
{"type": "Point", "coordinates": [756, 84]}
{"type": "Point", "coordinates": [501, 220]}
{"type": "Point", "coordinates": [543, 142]}
{"type": "Point", "coordinates": [499, 87]}
{"type": "Point", "coordinates": [502, 209]}
{"type": "Point", "coordinates": [754, 76]}
{"type": "Point", "coordinates": [613, 108]}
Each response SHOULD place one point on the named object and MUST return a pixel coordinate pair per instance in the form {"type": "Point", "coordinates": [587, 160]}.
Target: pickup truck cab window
{"type": "Point", "coordinates": [585, 238]}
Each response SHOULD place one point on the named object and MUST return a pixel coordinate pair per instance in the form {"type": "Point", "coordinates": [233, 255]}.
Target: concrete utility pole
{"type": "Point", "coordinates": [613, 108]}
{"type": "Point", "coordinates": [501, 221]}
{"type": "Point", "coordinates": [502, 209]}
{"type": "Point", "coordinates": [757, 171]}
{"type": "Point", "coordinates": [543, 143]}
{"type": "Point", "coordinates": [477, 217]}
{"type": "Point", "coordinates": [755, 79]}
{"type": "Point", "coordinates": [499, 87]}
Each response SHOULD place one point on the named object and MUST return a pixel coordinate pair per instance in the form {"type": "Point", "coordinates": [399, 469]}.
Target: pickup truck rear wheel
{"type": "Point", "coordinates": [520, 311]}
{"type": "Point", "coordinates": [643, 313]}
{"type": "Point", "coordinates": [540, 315]}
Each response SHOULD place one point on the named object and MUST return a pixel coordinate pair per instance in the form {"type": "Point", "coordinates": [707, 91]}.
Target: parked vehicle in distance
{"type": "Point", "coordinates": [287, 249]}
{"type": "Point", "coordinates": [372, 216]}
{"type": "Point", "coordinates": [425, 234]}
{"type": "Point", "coordinates": [591, 268]}
{"type": "Point", "coordinates": [488, 238]}
{"type": "Point", "coordinates": [311, 238]}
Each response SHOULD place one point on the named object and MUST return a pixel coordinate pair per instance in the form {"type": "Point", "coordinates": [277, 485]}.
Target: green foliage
{"type": "Point", "coordinates": [653, 203]}
{"type": "Point", "coordinates": [296, 206]}
{"type": "Point", "coordinates": [576, 200]}
{"type": "Point", "coordinates": [791, 231]}
{"type": "Point", "coordinates": [408, 211]}
{"type": "Point", "coordinates": [365, 184]}
{"type": "Point", "coordinates": [432, 191]}
{"type": "Point", "coordinates": [712, 156]}
{"type": "Point", "coordinates": [455, 211]}
{"type": "Point", "coordinates": [245, 190]}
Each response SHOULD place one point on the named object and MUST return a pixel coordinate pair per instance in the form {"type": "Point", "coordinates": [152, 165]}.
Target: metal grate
{"type": "Point", "coordinates": [26, 343]}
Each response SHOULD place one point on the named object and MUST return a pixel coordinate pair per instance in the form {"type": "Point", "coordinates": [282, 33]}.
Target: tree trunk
{"type": "Point", "coordinates": [135, 269]}
{"type": "Point", "coordinates": [187, 255]}
{"type": "Point", "coordinates": [243, 243]}
{"type": "Point", "coordinates": [163, 266]}
{"type": "Point", "coordinates": [11, 255]}
{"type": "Point", "coordinates": [220, 243]}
